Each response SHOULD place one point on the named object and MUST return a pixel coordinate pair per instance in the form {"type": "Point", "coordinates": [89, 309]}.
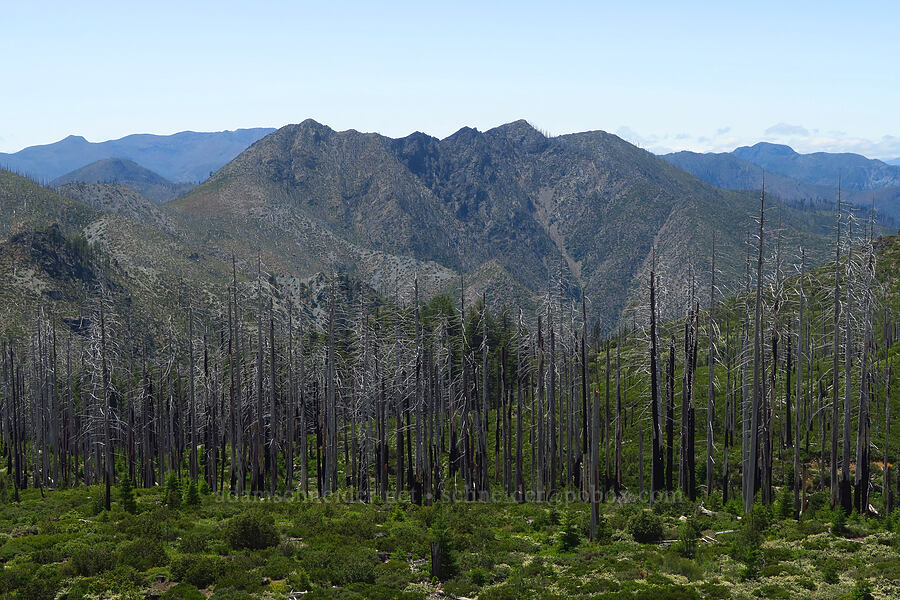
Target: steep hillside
{"type": "Point", "coordinates": [26, 205]}
{"type": "Point", "coordinates": [55, 250]}
{"type": "Point", "coordinates": [311, 198]}
{"type": "Point", "coordinates": [182, 157]}
{"type": "Point", "coordinates": [127, 173]}
{"type": "Point", "coordinates": [113, 197]}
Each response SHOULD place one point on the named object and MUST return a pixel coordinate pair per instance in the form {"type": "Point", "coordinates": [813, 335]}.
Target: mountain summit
{"type": "Point", "coordinates": [517, 213]}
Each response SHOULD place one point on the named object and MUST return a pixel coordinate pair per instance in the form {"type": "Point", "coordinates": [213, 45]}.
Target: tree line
{"type": "Point", "coordinates": [432, 398]}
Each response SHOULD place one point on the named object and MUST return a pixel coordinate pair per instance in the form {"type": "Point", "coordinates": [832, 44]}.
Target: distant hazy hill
{"type": "Point", "coordinates": [128, 173]}
{"type": "Point", "coordinates": [895, 161]}
{"type": "Point", "coordinates": [183, 157]}
{"type": "Point", "coordinates": [511, 209]}
{"type": "Point", "coordinates": [729, 170]}
{"type": "Point", "coordinates": [822, 168]}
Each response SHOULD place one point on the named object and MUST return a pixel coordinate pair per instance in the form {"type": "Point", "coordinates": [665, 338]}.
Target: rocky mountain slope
{"type": "Point", "coordinates": [580, 211]}
{"type": "Point", "coordinates": [60, 251]}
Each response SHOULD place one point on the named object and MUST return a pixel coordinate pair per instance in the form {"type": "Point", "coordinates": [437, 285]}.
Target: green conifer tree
{"type": "Point", "coordinates": [126, 495]}
{"type": "Point", "coordinates": [173, 492]}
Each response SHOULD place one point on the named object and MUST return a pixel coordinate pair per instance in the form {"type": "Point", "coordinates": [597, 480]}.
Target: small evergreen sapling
{"type": "Point", "coordinates": [173, 492]}
{"type": "Point", "coordinates": [687, 538]}
{"type": "Point", "coordinates": [191, 495]}
{"type": "Point", "coordinates": [126, 495]}
{"type": "Point", "coordinates": [569, 536]}
{"type": "Point", "coordinates": [440, 534]}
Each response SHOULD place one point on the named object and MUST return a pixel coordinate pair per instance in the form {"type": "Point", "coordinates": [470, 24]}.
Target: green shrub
{"type": "Point", "coordinates": [678, 565]}
{"type": "Point", "coordinates": [77, 591]}
{"type": "Point", "coordinates": [862, 591]}
{"type": "Point", "coordinates": [504, 591]}
{"type": "Point", "coordinates": [674, 506]}
{"type": "Point", "coordinates": [193, 542]}
{"type": "Point", "coordinates": [298, 581]}
{"type": "Point", "coordinates": [746, 545]}
{"type": "Point", "coordinates": [815, 504]}
{"type": "Point", "coordinates": [142, 554]}
{"type": "Point", "coordinates": [751, 562]}
{"type": "Point", "coordinates": [805, 582]}
{"type": "Point", "coordinates": [479, 576]}
{"type": "Point", "coordinates": [40, 583]}
{"type": "Point", "coordinates": [714, 590]}
{"type": "Point", "coordinates": [200, 571]}
{"type": "Point", "coordinates": [121, 579]}
{"type": "Point", "coordinates": [239, 576]}
{"type": "Point", "coordinates": [153, 524]}
{"type": "Point", "coordinates": [229, 593]}
{"type": "Point", "coordinates": [398, 515]}
{"type": "Point", "coordinates": [339, 564]}
{"type": "Point", "coordinates": [253, 530]}
{"type": "Point", "coordinates": [771, 590]}
{"type": "Point", "coordinates": [394, 574]}
{"type": "Point", "coordinates": [553, 517]}
{"type": "Point", "coordinates": [829, 570]}
{"type": "Point", "coordinates": [279, 567]}
{"type": "Point", "coordinates": [183, 591]}
{"type": "Point", "coordinates": [777, 570]}
{"type": "Point", "coordinates": [645, 527]}
{"type": "Point", "coordinates": [735, 507]}
{"type": "Point", "coordinates": [91, 560]}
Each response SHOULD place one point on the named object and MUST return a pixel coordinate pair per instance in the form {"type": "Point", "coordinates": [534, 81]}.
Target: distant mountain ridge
{"type": "Point", "coordinates": [128, 173]}
{"type": "Point", "coordinates": [855, 171]}
{"type": "Point", "coordinates": [792, 176]}
{"type": "Point", "coordinates": [186, 157]}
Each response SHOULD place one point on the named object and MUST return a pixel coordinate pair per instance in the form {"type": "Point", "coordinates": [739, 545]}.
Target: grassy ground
{"type": "Point", "coordinates": [66, 546]}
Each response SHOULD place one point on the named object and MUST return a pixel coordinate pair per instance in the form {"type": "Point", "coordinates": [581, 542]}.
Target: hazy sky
{"type": "Point", "coordinates": [667, 75]}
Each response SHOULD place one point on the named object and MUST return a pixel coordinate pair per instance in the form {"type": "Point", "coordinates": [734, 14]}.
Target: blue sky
{"type": "Point", "coordinates": [684, 75]}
